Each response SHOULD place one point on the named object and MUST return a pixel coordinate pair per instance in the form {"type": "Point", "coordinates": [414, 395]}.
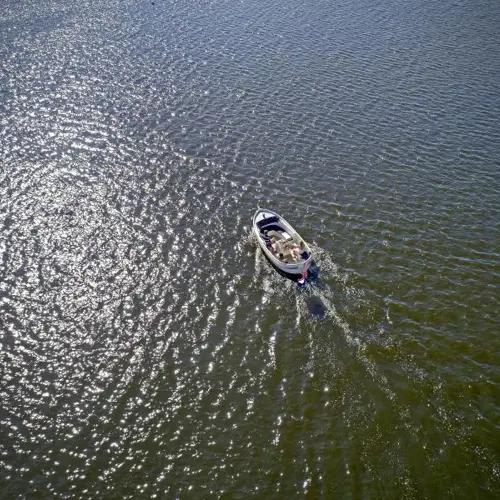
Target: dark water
{"type": "Point", "coordinates": [148, 350]}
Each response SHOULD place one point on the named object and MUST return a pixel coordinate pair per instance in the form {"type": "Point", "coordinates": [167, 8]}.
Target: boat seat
{"type": "Point", "coordinates": [270, 227]}
{"type": "Point", "coordinates": [268, 220]}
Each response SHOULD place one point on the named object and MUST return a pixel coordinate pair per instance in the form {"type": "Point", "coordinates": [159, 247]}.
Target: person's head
{"type": "Point", "coordinates": [302, 245]}
{"type": "Point", "coordinates": [281, 255]}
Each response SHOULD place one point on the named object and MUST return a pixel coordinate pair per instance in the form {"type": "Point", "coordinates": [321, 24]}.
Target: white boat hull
{"type": "Point", "coordinates": [263, 220]}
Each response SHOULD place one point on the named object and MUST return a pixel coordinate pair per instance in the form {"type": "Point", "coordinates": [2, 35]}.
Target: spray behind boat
{"type": "Point", "coordinates": [306, 289]}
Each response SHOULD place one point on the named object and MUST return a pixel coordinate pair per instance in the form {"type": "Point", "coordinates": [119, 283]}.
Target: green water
{"type": "Point", "coordinates": [149, 350]}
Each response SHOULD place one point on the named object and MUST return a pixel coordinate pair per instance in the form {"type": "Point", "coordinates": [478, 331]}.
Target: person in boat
{"type": "Point", "coordinates": [286, 250]}
{"type": "Point", "coordinates": [275, 234]}
{"type": "Point", "coordinates": [296, 252]}
{"type": "Point", "coordinates": [300, 249]}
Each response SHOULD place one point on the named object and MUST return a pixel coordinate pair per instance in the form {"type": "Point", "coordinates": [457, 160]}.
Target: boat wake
{"type": "Point", "coordinates": [317, 294]}
{"type": "Point", "coordinates": [329, 296]}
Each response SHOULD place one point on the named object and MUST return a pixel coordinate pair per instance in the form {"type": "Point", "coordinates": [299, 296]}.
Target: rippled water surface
{"type": "Point", "coordinates": [147, 348]}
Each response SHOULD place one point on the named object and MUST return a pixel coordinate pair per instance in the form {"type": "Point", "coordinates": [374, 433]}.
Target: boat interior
{"type": "Point", "coordinates": [284, 246]}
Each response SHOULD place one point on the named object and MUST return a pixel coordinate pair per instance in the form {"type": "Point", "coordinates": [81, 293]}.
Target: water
{"type": "Point", "coordinates": [148, 349]}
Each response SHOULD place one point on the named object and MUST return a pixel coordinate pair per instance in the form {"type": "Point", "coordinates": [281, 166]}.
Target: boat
{"type": "Point", "coordinates": [289, 254]}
